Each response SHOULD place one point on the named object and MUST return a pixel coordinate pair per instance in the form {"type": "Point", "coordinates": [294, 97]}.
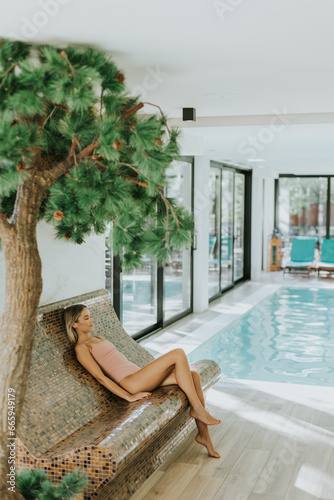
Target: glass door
{"type": "Point", "coordinates": [228, 257]}
{"type": "Point", "coordinates": [239, 227]}
{"type": "Point", "coordinates": [214, 232]}
{"type": "Point", "coordinates": [226, 252]}
{"type": "Point", "coordinates": [177, 272]}
{"type": "Point", "coordinates": [139, 297]}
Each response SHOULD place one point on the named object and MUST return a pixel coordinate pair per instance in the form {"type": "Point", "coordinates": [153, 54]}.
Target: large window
{"type": "Point", "coordinates": [226, 232]}
{"type": "Point", "coordinates": [214, 218]}
{"type": "Point", "coordinates": [303, 206]}
{"type": "Point", "coordinates": [149, 297]}
{"type": "Point", "coordinates": [139, 297]}
{"type": "Point", "coordinates": [177, 272]}
{"type": "Point", "coordinates": [331, 208]}
{"type": "Point", "coordinates": [228, 253]}
{"type": "Point", "coordinates": [239, 225]}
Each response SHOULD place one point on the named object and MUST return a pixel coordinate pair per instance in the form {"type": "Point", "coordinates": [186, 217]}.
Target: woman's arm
{"type": "Point", "coordinates": [87, 361]}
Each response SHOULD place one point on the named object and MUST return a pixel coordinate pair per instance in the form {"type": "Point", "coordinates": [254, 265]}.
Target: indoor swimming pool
{"type": "Point", "coordinates": [288, 337]}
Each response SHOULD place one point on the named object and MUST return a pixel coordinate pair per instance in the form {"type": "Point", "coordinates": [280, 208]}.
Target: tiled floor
{"type": "Point", "coordinates": [276, 440]}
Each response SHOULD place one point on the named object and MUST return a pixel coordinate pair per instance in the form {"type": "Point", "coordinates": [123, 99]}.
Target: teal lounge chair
{"type": "Point", "coordinates": [225, 252]}
{"type": "Point", "coordinates": [302, 256]}
{"type": "Point", "coordinates": [326, 263]}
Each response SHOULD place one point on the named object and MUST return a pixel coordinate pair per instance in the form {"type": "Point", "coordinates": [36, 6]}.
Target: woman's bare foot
{"type": "Point", "coordinates": [204, 417]}
{"type": "Point", "coordinates": [206, 441]}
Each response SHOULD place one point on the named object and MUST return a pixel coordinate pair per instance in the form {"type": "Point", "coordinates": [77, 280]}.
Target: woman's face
{"type": "Point", "coordinates": [84, 323]}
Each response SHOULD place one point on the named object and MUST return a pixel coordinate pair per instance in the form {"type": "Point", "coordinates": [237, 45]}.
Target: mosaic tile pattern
{"type": "Point", "coordinates": [71, 421]}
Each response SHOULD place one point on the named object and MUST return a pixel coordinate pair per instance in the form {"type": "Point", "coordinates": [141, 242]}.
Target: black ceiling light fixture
{"type": "Point", "coordinates": [188, 114]}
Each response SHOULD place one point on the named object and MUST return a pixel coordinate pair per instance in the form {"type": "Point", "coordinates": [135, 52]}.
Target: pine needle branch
{"type": "Point", "coordinates": [167, 219]}
{"type": "Point", "coordinates": [133, 168]}
{"type": "Point", "coordinates": [163, 116]}
{"type": "Point", "coordinates": [101, 103]}
{"type": "Point", "coordinates": [72, 159]}
{"type": "Point", "coordinates": [6, 73]}
{"type": "Point", "coordinates": [103, 168]}
{"type": "Point", "coordinates": [134, 180]}
{"type": "Point", "coordinates": [74, 145]}
{"type": "Point", "coordinates": [169, 207]}
{"type": "Point", "coordinates": [49, 117]}
{"type": "Point", "coordinates": [63, 54]}
{"type": "Point", "coordinates": [133, 110]}
{"type": "Point", "coordinates": [139, 172]}
{"type": "Point", "coordinates": [88, 150]}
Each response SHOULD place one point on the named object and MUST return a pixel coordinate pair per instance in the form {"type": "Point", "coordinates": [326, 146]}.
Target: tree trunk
{"type": "Point", "coordinates": [23, 290]}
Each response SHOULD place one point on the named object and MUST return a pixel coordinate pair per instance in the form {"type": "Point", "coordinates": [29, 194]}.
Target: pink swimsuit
{"type": "Point", "coordinates": [113, 363]}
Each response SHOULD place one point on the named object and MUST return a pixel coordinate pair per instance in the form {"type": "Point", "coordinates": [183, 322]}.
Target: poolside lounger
{"type": "Point", "coordinates": [302, 256]}
{"type": "Point", "coordinates": [326, 263]}
{"type": "Point", "coordinates": [225, 252]}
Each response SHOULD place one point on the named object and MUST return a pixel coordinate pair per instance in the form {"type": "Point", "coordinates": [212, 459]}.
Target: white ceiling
{"type": "Point", "coordinates": [274, 56]}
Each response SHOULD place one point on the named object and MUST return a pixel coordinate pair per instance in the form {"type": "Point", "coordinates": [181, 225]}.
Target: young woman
{"type": "Point", "coordinates": [130, 382]}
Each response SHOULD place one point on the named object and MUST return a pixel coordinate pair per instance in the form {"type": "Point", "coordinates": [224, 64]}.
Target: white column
{"type": "Point", "coordinates": [257, 225]}
{"type": "Point", "coordinates": [263, 207]}
{"type": "Point", "coordinates": [201, 210]}
{"type": "Point", "coordinates": [268, 215]}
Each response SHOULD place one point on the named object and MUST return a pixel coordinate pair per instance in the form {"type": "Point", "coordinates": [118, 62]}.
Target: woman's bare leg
{"type": "Point", "coordinates": [153, 374]}
{"type": "Point", "coordinates": [203, 436]}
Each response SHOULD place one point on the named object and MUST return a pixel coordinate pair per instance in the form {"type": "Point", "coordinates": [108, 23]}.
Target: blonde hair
{"type": "Point", "coordinates": [71, 315]}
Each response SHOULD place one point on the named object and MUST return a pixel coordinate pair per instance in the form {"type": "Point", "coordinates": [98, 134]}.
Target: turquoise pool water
{"type": "Point", "coordinates": [288, 337]}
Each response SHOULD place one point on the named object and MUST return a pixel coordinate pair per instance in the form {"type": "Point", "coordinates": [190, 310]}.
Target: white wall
{"type": "Point", "coordinates": [263, 207]}
{"type": "Point", "coordinates": [257, 226]}
{"type": "Point", "coordinates": [68, 269]}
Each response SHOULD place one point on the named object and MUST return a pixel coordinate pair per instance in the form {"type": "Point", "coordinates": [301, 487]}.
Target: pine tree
{"type": "Point", "coordinates": [75, 152]}
{"type": "Point", "coordinates": [35, 485]}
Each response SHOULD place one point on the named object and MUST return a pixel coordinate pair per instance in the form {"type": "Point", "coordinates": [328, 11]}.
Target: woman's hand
{"type": "Point", "coordinates": [135, 397]}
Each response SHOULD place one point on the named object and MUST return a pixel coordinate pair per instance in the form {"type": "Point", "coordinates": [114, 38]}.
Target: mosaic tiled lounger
{"type": "Point", "coordinates": [71, 421]}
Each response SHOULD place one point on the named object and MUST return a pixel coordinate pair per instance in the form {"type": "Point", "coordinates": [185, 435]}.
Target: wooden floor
{"type": "Point", "coordinates": [275, 440]}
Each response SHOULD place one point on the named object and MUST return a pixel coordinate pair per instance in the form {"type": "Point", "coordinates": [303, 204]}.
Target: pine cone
{"type": "Point", "coordinates": [21, 166]}
{"type": "Point", "coordinates": [117, 145]}
{"type": "Point", "coordinates": [158, 142]}
{"type": "Point", "coordinates": [68, 236]}
{"type": "Point", "coordinates": [120, 77]}
{"type": "Point", "coordinates": [58, 215]}
{"type": "Point", "coordinates": [62, 54]}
